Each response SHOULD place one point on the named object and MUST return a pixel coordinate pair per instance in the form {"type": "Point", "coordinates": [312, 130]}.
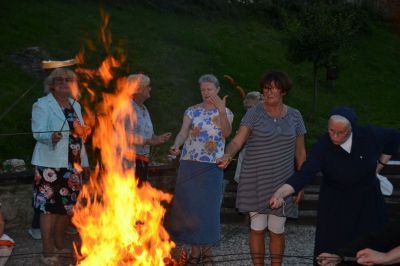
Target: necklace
{"type": "Point", "coordinates": [276, 116]}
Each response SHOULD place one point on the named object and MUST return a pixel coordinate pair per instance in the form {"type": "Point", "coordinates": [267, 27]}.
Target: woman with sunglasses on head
{"type": "Point", "coordinates": [350, 199]}
{"type": "Point", "coordinates": [274, 137]}
{"type": "Point", "coordinates": [59, 154]}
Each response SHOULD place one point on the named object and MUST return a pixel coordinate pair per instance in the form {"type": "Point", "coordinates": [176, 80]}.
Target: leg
{"type": "Point", "coordinates": [258, 224]}
{"type": "Point", "coordinates": [206, 254]}
{"type": "Point", "coordinates": [257, 246]}
{"type": "Point", "coordinates": [36, 219]}
{"type": "Point", "coordinates": [141, 171]}
{"type": "Point", "coordinates": [276, 248]}
{"type": "Point", "coordinates": [60, 225]}
{"type": "Point", "coordinates": [47, 230]}
{"type": "Point", "coordinates": [194, 257]}
{"type": "Point", "coordinates": [276, 229]}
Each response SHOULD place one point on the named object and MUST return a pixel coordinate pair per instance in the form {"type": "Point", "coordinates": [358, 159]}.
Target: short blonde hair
{"type": "Point", "coordinates": [141, 80]}
{"type": "Point", "coordinates": [58, 72]}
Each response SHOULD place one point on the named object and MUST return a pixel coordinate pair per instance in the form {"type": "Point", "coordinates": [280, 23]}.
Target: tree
{"type": "Point", "coordinates": [318, 35]}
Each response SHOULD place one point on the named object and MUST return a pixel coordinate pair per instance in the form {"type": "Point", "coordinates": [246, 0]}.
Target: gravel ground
{"type": "Point", "coordinates": [232, 250]}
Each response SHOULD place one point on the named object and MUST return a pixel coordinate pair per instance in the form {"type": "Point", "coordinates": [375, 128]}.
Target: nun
{"type": "Point", "coordinates": [350, 199]}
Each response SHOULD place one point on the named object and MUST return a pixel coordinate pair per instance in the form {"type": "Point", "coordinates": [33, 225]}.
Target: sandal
{"type": "Point", "coordinates": [207, 261]}
{"type": "Point", "coordinates": [193, 261]}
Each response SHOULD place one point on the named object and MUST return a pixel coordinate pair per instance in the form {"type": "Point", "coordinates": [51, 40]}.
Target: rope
{"type": "Point", "coordinates": [18, 100]}
{"type": "Point", "coordinates": [217, 258]}
{"type": "Point", "coordinates": [30, 132]}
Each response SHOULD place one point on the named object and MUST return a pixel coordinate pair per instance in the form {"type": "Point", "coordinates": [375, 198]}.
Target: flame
{"type": "Point", "coordinates": [119, 222]}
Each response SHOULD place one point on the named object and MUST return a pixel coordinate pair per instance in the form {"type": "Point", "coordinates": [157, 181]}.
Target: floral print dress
{"type": "Point", "coordinates": [56, 189]}
{"type": "Point", "coordinates": [205, 142]}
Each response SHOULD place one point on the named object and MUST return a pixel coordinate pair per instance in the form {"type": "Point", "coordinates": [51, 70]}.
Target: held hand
{"type": "Point", "coordinates": [276, 202]}
{"type": "Point", "coordinates": [174, 151]}
{"type": "Point", "coordinates": [224, 161]}
{"type": "Point", "coordinates": [56, 137]}
{"type": "Point", "coordinates": [328, 259]}
{"type": "Point", "coordinates": [370, 257]}
{"type": "Point", "coordinates": [298, 197]}
{"type": "Point", "coordinates": [164, 137]}
{"type": "Point", "coordinates": [81, 130]}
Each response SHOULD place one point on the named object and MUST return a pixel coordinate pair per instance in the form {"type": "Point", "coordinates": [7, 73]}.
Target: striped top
{"type": "Point", "coordinates": [269, 160]}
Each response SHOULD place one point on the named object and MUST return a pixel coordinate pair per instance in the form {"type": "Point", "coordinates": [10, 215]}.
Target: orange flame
{"type": "Point", "coordinates": [119, 223]}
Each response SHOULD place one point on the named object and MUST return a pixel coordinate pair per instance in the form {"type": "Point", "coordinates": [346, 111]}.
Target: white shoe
{"type": "Point", "coordinates": [35, 233]}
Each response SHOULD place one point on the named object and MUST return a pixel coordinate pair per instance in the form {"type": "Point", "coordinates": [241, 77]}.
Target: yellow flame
{"type": "Point", "coordinates": [119, 223]}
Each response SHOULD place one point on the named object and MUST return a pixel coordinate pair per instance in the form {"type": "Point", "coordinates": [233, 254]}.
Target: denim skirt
{"type": "Point", "coordinates": [194, 218]}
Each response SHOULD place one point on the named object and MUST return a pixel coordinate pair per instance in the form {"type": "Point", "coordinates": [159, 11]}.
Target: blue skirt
{"type": "Point", "coordinates": [195, 214]}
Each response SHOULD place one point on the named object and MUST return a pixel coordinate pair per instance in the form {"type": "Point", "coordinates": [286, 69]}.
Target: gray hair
{"type": "Point", "coordinates": [209, 78]}
{"type": "Point", "coordinates": [141, 79]}
{"type": "Point", "coordinates": [58, 72]}
{"type": "Point", "coordinates": [252, 98]}
{"type": "Point", "coordinates": [339, 118]}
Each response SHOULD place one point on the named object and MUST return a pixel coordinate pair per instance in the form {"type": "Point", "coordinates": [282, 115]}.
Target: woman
{"type": "Point", "coordinates": [195, 213]}
{"type": "Point", "coordinates": [350, 200]}
{"type": "Point", "coordinates": [141, 128]}
{"type": "Point", "coordinates": [274, 137]}
{"type": "Point", "coordinates": [59, 154]}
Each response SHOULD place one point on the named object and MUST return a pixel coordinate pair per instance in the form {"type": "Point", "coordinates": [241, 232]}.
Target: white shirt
{"type": "Point", "coordinates": [347, 144]}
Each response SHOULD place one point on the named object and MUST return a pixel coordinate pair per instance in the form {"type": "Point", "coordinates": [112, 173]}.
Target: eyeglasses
{"type": "Point", "coordinates": [270, 88]}
{"type": "Point", "coordinates": [62, 79]}
{"type": "Point", "coordinates": [339, 134]}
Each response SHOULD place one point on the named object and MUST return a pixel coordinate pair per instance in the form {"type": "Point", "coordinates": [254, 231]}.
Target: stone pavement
{"type": "Point", "coordinates": [232, 250]}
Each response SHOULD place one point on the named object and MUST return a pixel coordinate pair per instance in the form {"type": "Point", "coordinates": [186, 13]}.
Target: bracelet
{"type": "Point", "coordinates": [384, 164]}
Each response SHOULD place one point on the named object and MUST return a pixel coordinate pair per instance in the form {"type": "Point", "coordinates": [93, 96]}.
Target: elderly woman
{"type": "Point", "coordinates": [274, 137]}
{"type": "Point", "coordinates": [141, 128]}
{"type": "Point", "coordinates": [195, 213]}
{"type": "Point", "coordinates": [350, 200]}
{"type": "Point", "coordinates": [59, 154]}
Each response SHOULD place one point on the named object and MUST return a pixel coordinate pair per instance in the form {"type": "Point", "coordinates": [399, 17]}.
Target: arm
{"type": "Point", "coordinates": [158, 139]}
{"type": "Point", "coordinates": [39, 123]}
{"type": "Point", "coordinates": [226, 127]}
{"type": "Point", "coordinates": [300, 179]}
{"type": "Point", "coordinates": [234, 146]}
{"type": "Point", "coordinates": [225, 124]}
{"type": "Point", "coordinates": [300, 158]}
{"type": "Point", "coordinates": [384, 240]}
{"type": "Point", "coordinates": [370, 257]}
{"type": "Point", "coordinates": [383, 160]}
{"type": "Point", "coordinates": [389, 140]}
{"type": "Point", "coordinates": [182, 136]}
{"type": "Point", "coordinates": [300, 152]}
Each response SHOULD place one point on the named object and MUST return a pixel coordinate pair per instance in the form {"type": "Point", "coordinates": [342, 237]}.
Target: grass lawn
{"type": "Point", "coordinates": [175, 49]}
